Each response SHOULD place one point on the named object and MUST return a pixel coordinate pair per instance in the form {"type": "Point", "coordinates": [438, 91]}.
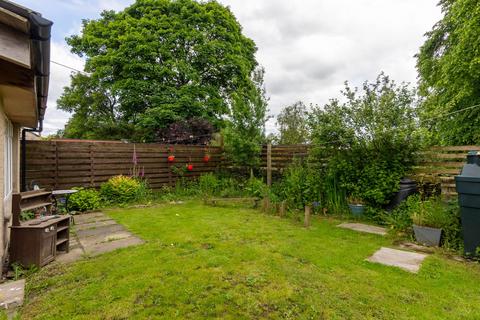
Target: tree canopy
{"type": "Point", "coordinates": [370, 138]}
{"type": "Point", "coordinates": [245, 132]}
{"type": "Point", "coordinates": [292, 124]}
{"type": "Point", "coordinates": [156, 63]}
{"type": "Point", "coordinates": [449, 72]}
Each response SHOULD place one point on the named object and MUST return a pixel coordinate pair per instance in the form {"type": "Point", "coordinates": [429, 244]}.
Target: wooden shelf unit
{"type": "Point", "coordinates": [38, 241]}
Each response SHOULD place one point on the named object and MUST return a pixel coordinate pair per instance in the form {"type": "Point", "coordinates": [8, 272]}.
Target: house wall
{"type": "Point", "coordinates": [6, 202]}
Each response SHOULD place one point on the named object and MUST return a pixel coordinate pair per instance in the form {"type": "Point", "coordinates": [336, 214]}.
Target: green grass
{"type": "Point", "coordinates": [229, 263]}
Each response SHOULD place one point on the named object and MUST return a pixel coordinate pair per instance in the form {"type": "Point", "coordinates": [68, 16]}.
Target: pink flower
{"type": "Point", "coordinates": [134, 159]}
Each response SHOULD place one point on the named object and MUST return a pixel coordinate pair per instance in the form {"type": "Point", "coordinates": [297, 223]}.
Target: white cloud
{"type": "Point", "coordinates": [309, 47]}
{"type": "Point", "coordinates": [59, 77]}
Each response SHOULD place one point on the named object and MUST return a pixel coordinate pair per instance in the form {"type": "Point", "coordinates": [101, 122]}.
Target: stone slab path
{"type": "Point", "coordinates": [94, 234]}
{"type": "Point", "coordinates": [364, 228]}
{"type": "Point", "coordinates": [406, 260]}
{"type": "Point", "coordinates": [11, 296]}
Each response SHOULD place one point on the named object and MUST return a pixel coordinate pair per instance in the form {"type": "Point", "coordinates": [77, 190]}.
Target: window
{"type": "Point", "coordinates": [8, 158]}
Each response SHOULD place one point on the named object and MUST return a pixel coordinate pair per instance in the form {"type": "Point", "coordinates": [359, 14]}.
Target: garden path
{"type": "Point", "coordinates": [95, 233]}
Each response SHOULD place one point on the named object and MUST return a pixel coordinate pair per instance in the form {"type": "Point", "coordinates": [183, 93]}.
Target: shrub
{"type": "Point", "coordinates": [432, 212]}
{"type": "Point", "coordinates": [255, 187]}
{"type": "Point", "coordinates": [208, 184]}
{"type": "Point", "coordinates": [123, 190]}
{"type": "Point", "coordinates": [84, 199]}
{"type": "Point", "coordinates": [429, 213]}
{"type": "Point", "coordinates": [368, 141]}
{"type": "Point", "coordinates": [301, 184]}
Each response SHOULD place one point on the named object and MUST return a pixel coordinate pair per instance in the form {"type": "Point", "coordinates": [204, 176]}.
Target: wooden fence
{"type": "Point", "coordinates": [65, 164]}
{"type": "Point", "coordinates": [437, 165]}
{"type": "Point", "coordinates": [441, 165]}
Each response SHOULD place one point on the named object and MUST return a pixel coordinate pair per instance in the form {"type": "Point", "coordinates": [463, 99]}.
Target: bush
{"type": "Point", "coordinates": [208, 184]}
{"type": "Point", "coordinates": [123, 190]}
{"type": "Point", "coordinates": [369, 140]}
{"type": "Point", "coordinates": [429, 213]}
{"type": "Point", "coordinates": [255, 187]}
{"type": "Point", "coordinates": [301, 185]}
{"type": "Point", "coordinates": [84, 199]}
{"type": "Point", "coordinates": [432, 212]}
{"type": "Point", "coordinates": [227, 186]}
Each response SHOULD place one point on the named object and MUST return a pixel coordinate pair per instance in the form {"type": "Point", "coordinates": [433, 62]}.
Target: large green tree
{"type": "Point", "coordinates": [292, 124]}
{"type": "Point", "coordinates": [155, 63]}
{"type": "Point", "coordinates": [370, 138]}
{"type": "Point", "coordinates": [449, 73]}
{"type": "Point", "coordinates": [245, 130]}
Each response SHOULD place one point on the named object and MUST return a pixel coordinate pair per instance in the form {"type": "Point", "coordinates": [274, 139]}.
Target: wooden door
{"type": "Point", "coordinates": [48, 245]}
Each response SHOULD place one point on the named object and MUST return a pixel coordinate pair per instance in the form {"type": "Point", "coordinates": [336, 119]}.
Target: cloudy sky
{"type": "Point", "coordinates": [308, 47]}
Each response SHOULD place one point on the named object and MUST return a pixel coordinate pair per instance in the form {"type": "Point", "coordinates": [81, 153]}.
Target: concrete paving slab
{"type": "Point", "coordinates": [406, 260]}
{"type": "Point", "coordinates": [95, 233]}
{"type": "Point", "coordinates": [11, 294]}
{"type": "Point", "coordinates": [105, 237]}
{"type": "Point", "coordinates": [99, 231]}
{"type": "Point", "coordinates": [112, 245]}
{"type": "Point", "coordinates": [81, 218]}
{"type": "Point", "coordinates": [364, 228]}
{"type": "Point", "coordinates": [73, 255]}
{"type": "Point", "coordinates": [95, 224]}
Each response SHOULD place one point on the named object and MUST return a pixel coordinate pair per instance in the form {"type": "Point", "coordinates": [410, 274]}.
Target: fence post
{"type": "Point", "coordinates": [91, 165]}
{"type": "Point", "coordinates": [269, 164]}
{"type": "Point", "coordinates": [283, 208]}
{"type": "Point", "coordinates": [308, 211]}
{"type": "Point", "coordinates": [56, 165]}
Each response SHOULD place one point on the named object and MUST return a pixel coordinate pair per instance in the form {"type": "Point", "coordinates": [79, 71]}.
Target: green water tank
{"type": "Point", "coordinates": [468, 189]}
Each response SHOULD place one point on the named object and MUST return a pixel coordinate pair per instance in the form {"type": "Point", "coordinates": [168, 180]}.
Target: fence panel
{"type": "Point", "coordinates": [65, 164]}
{"type": "Point", "coordinates": [437, 164]}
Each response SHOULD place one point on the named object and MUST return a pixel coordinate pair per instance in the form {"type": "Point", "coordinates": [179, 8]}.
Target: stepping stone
{"type": "Point", "coordinates": [74, 254]}
{"type": "Point", "coordinates": [88, 217]}
{"type": "Point", "coordinates": [104, 247]}
{"type": "Point", "coordinates": [99, 231]}
{"type": "Point", "coordinates": [11, 295]}
{"type": "Point", "coordinates": [364, 228]}
{"type": "Point", "coordinates": [406, 260]}
{"type": "Point", "coordinates": [93, 225]}
{"type": "Point", "coordinates": [94, 234]}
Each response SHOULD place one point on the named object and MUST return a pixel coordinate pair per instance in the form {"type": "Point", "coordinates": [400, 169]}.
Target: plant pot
{"type": "Point", "coordinates": [357, 209]}
{"type": "Point", "coordinates": [427, 236]}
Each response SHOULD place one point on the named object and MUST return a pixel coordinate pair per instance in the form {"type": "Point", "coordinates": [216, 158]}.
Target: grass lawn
{"type": "Point", "coordinates": [228, 263]}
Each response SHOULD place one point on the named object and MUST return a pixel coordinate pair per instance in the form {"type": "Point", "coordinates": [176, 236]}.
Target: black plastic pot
{"type": "Point", "coordinates": [468, 189]}
{"type": "Point", "coordinates": [407, 188]}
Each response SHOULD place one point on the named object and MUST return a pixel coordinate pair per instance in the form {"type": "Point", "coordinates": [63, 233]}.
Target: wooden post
{"type": "Point", "coordinates": [56, 165]}
{"type": "Point", "coordinates": [308, 211]}
{"type": "Point", "coordinates": [266, 204]}
{"type": "Point", "coordinates": [283, 209]}
{"type": "Point", "coordinates": [91, 165]}
{"type": "Point", "coordinates": [269, 164]}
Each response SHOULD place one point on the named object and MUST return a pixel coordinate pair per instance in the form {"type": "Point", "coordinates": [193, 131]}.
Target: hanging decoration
{"type": "Point", "coordinates": [171, 157]}
{"type": "Point", "coordinates": [206, 157]}
{"type": "Point", "coordinates": [189, 164]}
